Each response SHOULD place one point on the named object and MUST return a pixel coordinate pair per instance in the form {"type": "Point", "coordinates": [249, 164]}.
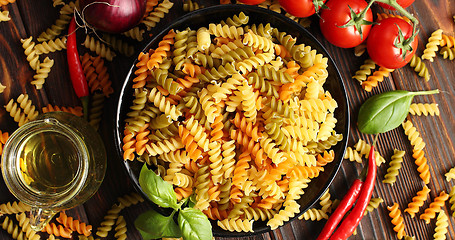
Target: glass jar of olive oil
{"type": "Point", "coordinates": [53, 163]}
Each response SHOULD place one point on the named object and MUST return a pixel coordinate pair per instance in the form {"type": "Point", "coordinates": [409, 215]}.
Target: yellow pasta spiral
{"type": "Point", "coordinates": [378, 76]}
{"type": "Point", "coordinates": [30, 52]}
{"type": "Point", "coordinates": [365, 70]}
{"type": "Point", "coordinates": [452, 200]}
{"type": "Point", "coordinates": [420, 67]}
{"type": "Point", "coordinates": [395, 165]}
{"type": "Point", "coordinates": [109, 220]}
{"type": "Point", "coordinates": [352, 155]}
{"type": "Point", "coordinates": [24, 224]}
{"type": "Point", "coordinates": [426, 109]}
{"type": "Point", "coordinates": [226, 31]}
{"type": "Point", "coordinates": [413, 136]}
{"type": "Point", "coordinates": [51, 46]}
{"type": "Point", "coordinates": [189, 6]}
{"type": "Point", "coordinates": [42, 73]}
{"type": "Point", "coordinates": [434, 207]}
{"type": "Point", "coordinates": [16, 113]}
{"type": "Point", "coordinates": [163, 104]}
{"type": "Point", "coordinates": [4, 16]}
{"type": "Point", "coordinates": [99, 48]}
{"type": "Point", "coordinates": [432, 46]}
{"type": "Point", "coordinates": [314, 214]}
{"type": "Point", "coordinates": [135, 33]}
{"type": "Point", "coordinates": [442, 223]}
{"type": "Point", "coordinates": [397, 220]}
{"type": "Point", "coordinates": [417, 201]}
{"type": "Point", "coordinates": [237, 225]}
{"type": "Point", "coordinates": [13, 229]}
{"type": "Point", "coordinates": [447, 52]}
{"type": "Point", "coordinates": [373, 204]}
{"type": "Point", "coordinates": [157, 14]}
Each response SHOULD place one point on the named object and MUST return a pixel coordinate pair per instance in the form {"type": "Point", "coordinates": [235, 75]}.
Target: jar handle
{"type": "Point", "coordinates": [40, 217]}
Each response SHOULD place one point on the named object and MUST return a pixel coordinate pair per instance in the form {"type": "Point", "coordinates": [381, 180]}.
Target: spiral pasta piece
{"type": "Point", "coordinates": [73, 110]}
{"type": "Point", "coordinates": [135, 33]}
{"type": "Point", "coordinates": [442, 223]}
{"type": "Point", "coordinates": [120, 228]}
{"type": "Point", "coordinates": [24, 224]}
{"type": "Point", "coordinates": [237, 225]}
{"type": "Point", "coordinates": [352, 155]}
{"type": "Point", "coordinates": [163, 104]}
{"type": "Point", "coordinates": [426, 109]}
{"type": "Point", "coordinates": [432, 46]}
{"type": "Point", "coordinates": [4, 16]}
{"type": "Point", "coordinates": [394, 166]}
{"type": "Point", "coordinates": [109, 220]}
{"type": "Point", "coordinates": [30, 52]}
{"type": "Point", "coordinates": [128, 200]}
{"type": "Point", "coordinates": [420, 67]}
{"type": "Point", "coordinates": [446, 40]}
{"type": "Point", "coordinates": [16, 113]}
{"type": "Point", "coordinates": [378, 76]}
{"type": "Point", "coordinates": [99, 48]}
{"type": "Point", "coordinates": [413, 136]}
{"type": "Point", "coordinates": [450, 174]}
{"type": "Point", "coordinates": [365, 70]}
{"type": "Point", "coordinates": [452, 200]}
{"type": "Point", "coordinates": [51, 46]}
{"type": "Point", "coordinates": [59, 25]}
{"type": "Point", "coordinates": [422, 165]}
{"type": "Point", "coordinates": [397, 220]}
{"type": "Point", "coordinates": [283, 215]}
{"type": "Point", "coordinates": [226, 31]}
{"type": "Point", "coordinates": [118, 45]}
{"type": "Point", "coordinates": [373, 204]}
{"type": "Point", "coordinates": [447, 52]}
{"type": "Point", "coordinates": [189, 6]}
{"type": "Point", "coordinates": [42, 73]}
{"type": "Point", "coordinates": [434, 207]}
{"type": "Point", "coordinates": [314, 214]}
{"type": "Point", "coordinates": [13, 229]}
{"type": "Point", "coordinates": [57, 230]}
{"type": "Point", "coordinates": [157, 14]}
{"type": "Point", "coordinates": [26, 104]}
{"type": "Point", "coordinates": [74, 225]}
{"type": "Point", "coordinates": [417, 201]}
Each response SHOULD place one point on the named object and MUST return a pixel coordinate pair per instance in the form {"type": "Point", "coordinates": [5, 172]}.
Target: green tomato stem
{"type": "Point", "coordinates": [405, 13]}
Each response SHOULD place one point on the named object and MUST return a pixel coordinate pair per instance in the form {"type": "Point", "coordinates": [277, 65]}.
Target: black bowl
{"type": "Point", "coordinates": [257, 15]}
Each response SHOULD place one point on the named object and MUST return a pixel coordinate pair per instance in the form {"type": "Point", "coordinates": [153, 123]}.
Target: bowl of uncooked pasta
{"type": "Point", "coordinates": [242, 111]}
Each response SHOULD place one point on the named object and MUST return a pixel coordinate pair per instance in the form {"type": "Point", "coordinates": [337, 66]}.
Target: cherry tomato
{"type": "Point", "coordinates": [251, 2]}
{"type": "Point", "coordinates": [300, 8]}
{"type": "Point", "coordinates": [338, 14]}
{"type": "Point", "coordinates": [403, 3]}
{"type": "Point", "coordinates": [381, 43]}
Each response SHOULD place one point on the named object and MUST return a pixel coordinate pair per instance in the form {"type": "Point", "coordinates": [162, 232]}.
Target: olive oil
{"type": "Point", "coordinates": [49, 162]}
{"type": "Point", "coordinates": [53, 163]}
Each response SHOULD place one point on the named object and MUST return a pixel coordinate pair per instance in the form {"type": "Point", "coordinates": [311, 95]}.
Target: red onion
{"type": "Point", "coordinates": [114, 16]}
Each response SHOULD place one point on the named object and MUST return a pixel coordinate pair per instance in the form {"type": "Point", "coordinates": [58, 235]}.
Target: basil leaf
{"type": "Point", "coordinates": [194, 225]}
{"type": "Point", "coordinates": [386, 111]}
{"type": "Point", "coordinates": [158, 190]}
{"type": "Point", "coordinates": [152, 225]}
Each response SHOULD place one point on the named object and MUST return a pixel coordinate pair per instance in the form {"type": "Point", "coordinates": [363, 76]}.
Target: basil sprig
{"type": "Point", "coordinates": [192, 223]}
{"type": "Point", "coordinates": [386, 111]}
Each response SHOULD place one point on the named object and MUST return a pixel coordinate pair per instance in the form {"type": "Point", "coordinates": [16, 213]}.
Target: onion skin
{"type": "Point", "coordinates": [116, 16]}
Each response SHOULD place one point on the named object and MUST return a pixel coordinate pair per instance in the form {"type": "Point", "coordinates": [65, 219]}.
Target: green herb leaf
{"type": "Point", "coordinates": [194, 225]}
{"type": "Point", "coordinates": [152, 225]}
{"type": "Point", "coordinates": [386, 111]}
{"type": "Point", "coordinates": [158, 190]}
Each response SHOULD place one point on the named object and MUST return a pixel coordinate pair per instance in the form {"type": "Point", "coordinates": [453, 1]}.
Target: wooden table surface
{"type": "Point", "coordinates": [30, 18]}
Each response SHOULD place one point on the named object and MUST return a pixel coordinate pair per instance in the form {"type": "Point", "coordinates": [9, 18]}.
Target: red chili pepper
{"type": "Point", "coordinates": [77, 75]}
{"type": "Point", "coordinates": [344, 206]}
{"type": "Point", "coordinates": [351, 222]}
